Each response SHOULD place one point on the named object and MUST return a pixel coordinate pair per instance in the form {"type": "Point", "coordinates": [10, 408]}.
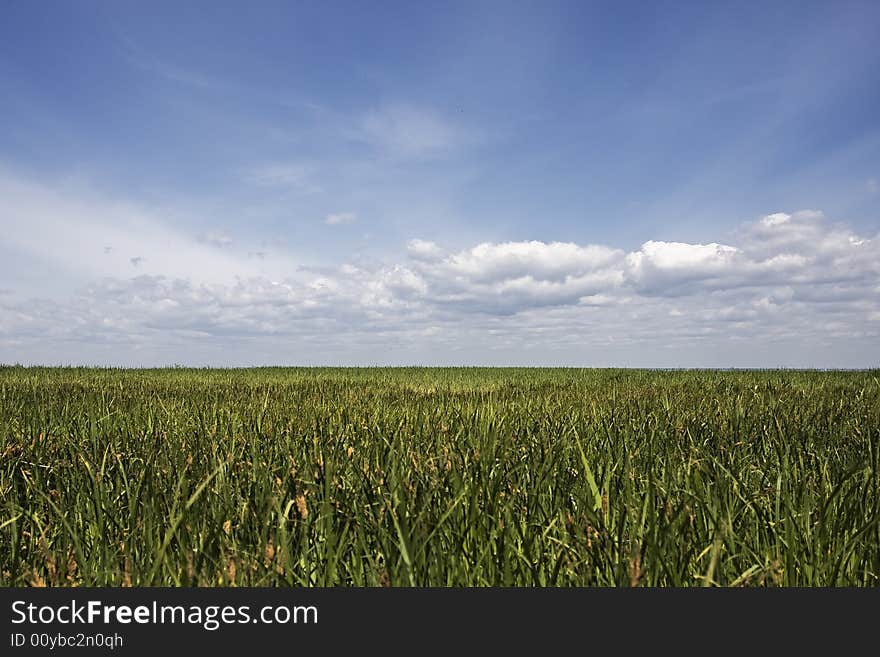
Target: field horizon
{"type": "Point", "coordinates": [414, 366]}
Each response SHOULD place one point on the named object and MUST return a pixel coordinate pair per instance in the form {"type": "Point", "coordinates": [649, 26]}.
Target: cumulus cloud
{"type": "Point", "coordinates": [510, 276]}
{"type": "Point", "coordinates": [664, 266]}
{"type": "Point", "coordinates": [424, 250]}
{"type": "Point", "coordinates": [786, 281]}
{"type": "Point", "coordinates": [554, 261]}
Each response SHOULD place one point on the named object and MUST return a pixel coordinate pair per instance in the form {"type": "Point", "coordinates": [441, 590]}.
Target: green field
{"type": "Point", "coordinates": [411, 476]}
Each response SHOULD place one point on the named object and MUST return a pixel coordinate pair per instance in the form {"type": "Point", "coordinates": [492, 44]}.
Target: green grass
{"type": "Point", "coordinates": [365, 477]}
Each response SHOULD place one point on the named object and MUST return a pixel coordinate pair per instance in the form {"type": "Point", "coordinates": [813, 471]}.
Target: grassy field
{"type": "Point", "coordinates": [368, 477]}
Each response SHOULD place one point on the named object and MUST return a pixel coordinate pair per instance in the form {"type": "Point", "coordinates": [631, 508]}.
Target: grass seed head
{"type": "Point", "coordinates": [302, 508]}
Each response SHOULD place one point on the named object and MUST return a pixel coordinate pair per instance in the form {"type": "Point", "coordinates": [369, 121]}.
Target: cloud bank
{"type": "Point", "coordinates": [795, 285]}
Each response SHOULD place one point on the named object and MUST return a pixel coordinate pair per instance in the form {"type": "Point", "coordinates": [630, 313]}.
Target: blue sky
{"type": "Point", "coordinates": [499, 183]}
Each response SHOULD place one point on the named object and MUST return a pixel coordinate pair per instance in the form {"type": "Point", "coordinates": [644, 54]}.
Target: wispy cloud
{"type": "Point", "coordinates": [146, 60]}
{"type": "Point", "coordinates": [340, 218]}
{"type": "Point", "coordinates": [292, 176]}
{"type": "Point", "coordinates": [215, 238]}
{"type": "Point", "coordinates": [408, 132]}
{"type": "Point", "coordinates": [89, 235]}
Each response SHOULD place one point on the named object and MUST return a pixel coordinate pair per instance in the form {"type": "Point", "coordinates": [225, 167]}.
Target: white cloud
{"type": "Point", "coordinates": [424, 250]}
{"type": "Point", "coordinates": [88, 236]}
{"type": "Point", "coordinates": [215, 238]}
{"type": "Point", "coordinates": [406, 131]}
{"type": "Point", "coordinates": [293, 176]}
{"type": "Point", "coordinates": [510, 276]}
{"type": "Point", "coordinates": [667, 264]}
{"type": "Point", "coordinates": [795, 286]}
{"type": "Point", "coordinates": [776, 219]}
{"type": "Point", "coordinates": [340, 218]}
{"type": "Point", "coordinates": [543, 261]}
